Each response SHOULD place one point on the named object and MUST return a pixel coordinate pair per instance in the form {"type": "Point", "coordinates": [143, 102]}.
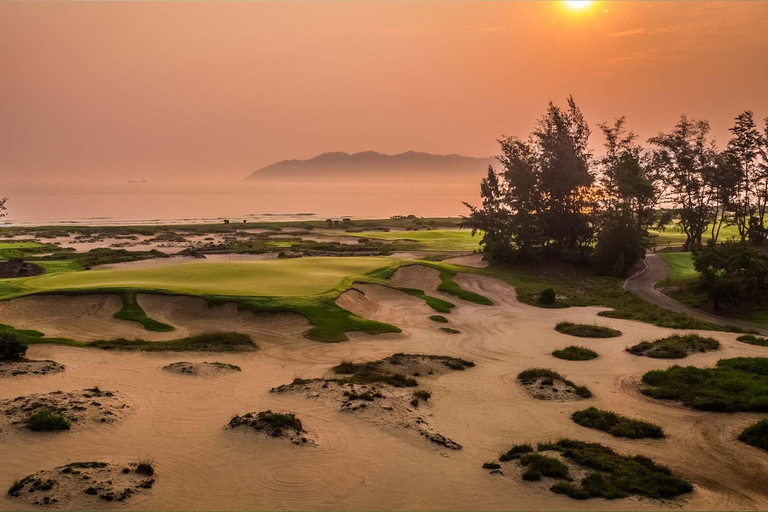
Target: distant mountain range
{"type": "Point", "coordinates": [370, 166]}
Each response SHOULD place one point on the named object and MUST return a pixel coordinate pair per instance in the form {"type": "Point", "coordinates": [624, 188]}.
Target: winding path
{"type": "Point", "coordinates": [656, 269]}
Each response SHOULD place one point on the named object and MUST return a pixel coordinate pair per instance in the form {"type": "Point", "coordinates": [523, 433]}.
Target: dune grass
{"type": "Point", "coordinates": [735, 385]}
{"type": "Point", "coordinates": [439, 319]}
{"type": "Point", "coordinates": [674, 347]}
{"type": "Point", "coordinates": [213, 342]}
{"type": "Point", "coordinates": [613, 476]}
{"type": "Point", "coordinates": [586, 330]}
{"type": "Point", "coordinates": [574, 353]}
{"type": "Point", "coordinates": [751, 339]}
{"type": "Point", "coordinates": [616, 424]}
{"type": "Point", "coordinates": [756, 434]}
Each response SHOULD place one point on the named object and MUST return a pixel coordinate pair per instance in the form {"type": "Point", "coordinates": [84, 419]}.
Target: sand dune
{"type": "Point", "coordinates": [358, 464]}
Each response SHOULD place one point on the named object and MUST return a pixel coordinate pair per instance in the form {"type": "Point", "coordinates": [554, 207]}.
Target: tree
{"type": "Point", "coordinates": [731, 272]}
{"type": "Point", "coordinates": [684, 156]}
{"type": "Point", "coordinates": [743, 155]}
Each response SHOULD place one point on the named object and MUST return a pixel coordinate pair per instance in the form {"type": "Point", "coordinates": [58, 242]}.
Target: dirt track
{"type": "Point", "coordinates": [643, 285]}
{"type": "Point", "coordinates": [177, 421]}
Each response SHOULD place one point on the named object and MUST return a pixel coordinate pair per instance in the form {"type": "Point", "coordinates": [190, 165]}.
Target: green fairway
{"type": "Point", "coordinates": [682, 266]}
{"type": "Point", "coordinates": [674, 235]}
{"type": "Point", "coordinates": [282, 278]}
{"type": "Point", "coordinates": [428, 240]}
{"type": "Point", "coordinates": [20, 249]}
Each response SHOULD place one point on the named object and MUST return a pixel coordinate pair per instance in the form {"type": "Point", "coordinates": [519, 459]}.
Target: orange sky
{"type": "Point", "coordinates": [214, 90]}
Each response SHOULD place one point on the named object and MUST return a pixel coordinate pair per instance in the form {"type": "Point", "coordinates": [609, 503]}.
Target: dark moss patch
{"type": "Point", "coordinates": [674, 347]}
{"type": "Point", "coordinates": [616, 425]}
{"type": "Point", "coordinates": [735, 385]}
{"type": "Point", "coordinates": [574, 353]}
{"type": "Point", "coordinates": [586, 330]}
{"type": "Point", "coordinates": [449, 330]}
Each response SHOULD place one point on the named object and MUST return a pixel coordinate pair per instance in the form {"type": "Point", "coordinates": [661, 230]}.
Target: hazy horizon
{"type": "Point", "coordinates": [208, 92]}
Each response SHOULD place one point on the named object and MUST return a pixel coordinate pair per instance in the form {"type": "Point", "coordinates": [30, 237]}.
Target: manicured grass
{"type": "Point", "coordinates": [682, 267]}
{"type": "Point", "coordinates": [47, 420]}
{"type": "Point", "coordinates": [612, 476]}
{"type": "Point", "coordinates": [214, 342]}
{"type": "Point", "coordinates": [427, 240]}
{"type": "Point", "coordinates": [31, 337]}
{"type": "Point", "coordinates": [586, 330]}
{"type": "Point", "coordinates": [22, 249]}
{"type": "Point", "coordinates": [674, 347]}
{"type": "Point", "coordinates": [439, 319]}
{"type": "Point", "coordinates": [132, 311]}
{"type": "Point", "coordinates": [548, 376]}
{"type": "Point", "coordinates": [751, 339]}
{"type": "Point", "coordinates": [756, 435]}
{"type": "Point", "coordinates": [616, 425]}
{"type": "Point", "coordinates": [735, 385]}
{"type": "Point", "coordinates": [574, 353]}
{"type": "Point", "coordinates": [439, 305]}
{"type": "Point", "coordinates": [282, 277]}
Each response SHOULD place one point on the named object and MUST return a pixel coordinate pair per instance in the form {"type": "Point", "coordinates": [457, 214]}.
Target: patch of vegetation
{"type": "Point", "coordinates": [548, 296]}
{"type": "Point", "coordinates": [12, 348]}
{"type": "Point", "coordinates": [735, 385]}
{"type": "Point", "coordinates": [107, 256]}
{"type": "Point", "coordinates": [674, 347]}
{"type": "Point", "coordinates": [450, 330]}
{"type": "Point", "coordinates": [133, 312]}
{"type": "Point", "coordinates": [616, 425]}
{"type": "Point", "coordinates": [31, 337]}
{"type": "Point", "coordinates": [280, 420]}
{"type": "Point", "coordinates": [439, 319]}
{"type": "Point", "coordinates": [586, 330]}
{"type": "Point", "coordinates": [539, 465]}
{"type": "Point", "coordinates": [369, 373]}
{"type": "Point", "coordinates": [16, 487]}
{"type": "Point", "coordinates": [48, 420]}
{"type": "Point", "coordinates": [751, 339]}
{"type": "Point", "coordinates": [614, 476]}
{"type": "Point", "coordinates": [548, 377]}
{"type": "Point", "coordinates": [756, 434]}
{"type": "Point", "coordinates": [421, 395]}
{"type": "Point", "coordinates": [211, 342]}
{"type": "Point", "coordinates": [574, 353]}
{"type": "Point", "coordinates": [486, 465]}
{"type": "Point", "coordinates": [516, 452]}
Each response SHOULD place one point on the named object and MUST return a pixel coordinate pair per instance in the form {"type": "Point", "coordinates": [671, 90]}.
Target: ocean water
{"type": "Point", "coordinates": [148, 203]}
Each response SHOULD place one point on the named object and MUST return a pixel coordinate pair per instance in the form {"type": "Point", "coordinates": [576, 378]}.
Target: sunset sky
{"type": "Point", "coordinates": [214, 90]}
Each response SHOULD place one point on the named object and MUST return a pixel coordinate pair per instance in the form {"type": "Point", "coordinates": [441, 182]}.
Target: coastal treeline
{"type": "Point", "coordinates": [550, 195]}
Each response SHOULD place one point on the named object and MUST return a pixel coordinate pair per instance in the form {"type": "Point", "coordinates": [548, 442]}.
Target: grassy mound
{"type": "Point", "coordinates": [212, 342]}
{"type": "Point", "coordinates": [608, 474]}
{"type": "Point", "coordinates": [549, 377]}
{"type": "Point", "coordinates": [439, 319]}
{"type": "Point", "coordinates": [586, 330]}
{"type": "Point", "coordinates": [756, 434]}
{"type": "Point", "coordinates": [47, 420]}
{"type": "Point", "coordinates": [674, 347]}
{"type": "Point", "coordinates": [751, 339]}
{"type": "Point", "coordinates": [574, 353]}
{"type": "Point", "coordinates": [616, 425]}
{"type": "Point", "coordinates": [735, 385]}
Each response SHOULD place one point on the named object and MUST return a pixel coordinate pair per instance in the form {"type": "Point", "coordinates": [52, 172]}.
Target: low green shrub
{"type": "Point", "coordinates": [548, 296]}
{"type": "Point", "coordinates": [756, 434]}
{"type": "Point", "coordinates": [48, 420]}
{"type": "Point", "coordinates": [516, 452]}
{"type": "Point", "coordinates": [439, 319]}
{"type": "Point", "coordinates": [574, 353]}
{"type": "Point", "coordinates": [548, 377]}
{"type": "Point", "coordinates": [674, 347]}
{"type": "Point", "coordinates": [753, 340]}
{"type": "Point", "coordinates": [12, 348]}
{"type": "Point", "coordinates": [586, 330]}
{"type": "Point", "coordinates": [616, 425]}
{"type": "Point", "coordinates": [739, 384]}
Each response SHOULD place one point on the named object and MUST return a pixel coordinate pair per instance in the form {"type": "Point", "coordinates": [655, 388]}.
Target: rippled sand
{"type": "Point", "coordinates": [178, 421]}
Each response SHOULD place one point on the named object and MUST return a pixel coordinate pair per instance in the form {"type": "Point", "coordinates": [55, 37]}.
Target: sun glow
{"type": "Point", "coordinates": [578, 5]}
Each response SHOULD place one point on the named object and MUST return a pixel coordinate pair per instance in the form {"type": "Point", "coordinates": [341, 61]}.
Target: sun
{"type": "Point", "coordinates": [578, 5]}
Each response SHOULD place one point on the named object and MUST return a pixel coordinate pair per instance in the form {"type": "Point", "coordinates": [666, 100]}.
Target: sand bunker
{"type": "Point", "coordinates": [384, 304]}
{"type": "Point", "coordinates": [470, 260]}
{"type": "Point", "coordinates": [385, 391]}
{"type": "Point", "coordinates": [278, 425]}
{"type": "Point", "coordinates": [417, 276]}
{"type": "Point", "coordinates": [84, 485]}
{"type": "Point", "coordinates": [79, 408]}
{"type": "Point", "coordinates": [27, 367]}
{"type": "Point", "coordinates": [203, 369]}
